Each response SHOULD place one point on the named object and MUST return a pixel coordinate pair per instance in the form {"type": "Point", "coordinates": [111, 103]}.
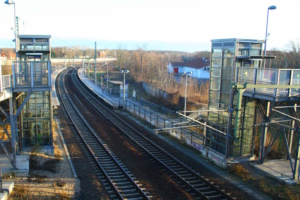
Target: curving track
{"type": "Point", "coordinates": [187, 178]}
{"type": "Point", "coordinates": [121, 185]}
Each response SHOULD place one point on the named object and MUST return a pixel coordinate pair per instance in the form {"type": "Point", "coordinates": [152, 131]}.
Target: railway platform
{"type": "Point", "coordinates": [54, 74]}
{"type": "Point", "coordinates": [112, 100]}
{"type": "Point", "coordinates": [277, 169]}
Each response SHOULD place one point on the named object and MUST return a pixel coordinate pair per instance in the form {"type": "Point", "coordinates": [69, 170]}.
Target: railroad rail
{"type": "Point", "coordinates": [191, 181]}
{"type": "Point", "coordinates": [122, 186]}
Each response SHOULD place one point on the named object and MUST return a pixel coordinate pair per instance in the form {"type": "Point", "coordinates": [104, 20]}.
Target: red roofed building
{"type": "Point", "coordinates": [199, 67]}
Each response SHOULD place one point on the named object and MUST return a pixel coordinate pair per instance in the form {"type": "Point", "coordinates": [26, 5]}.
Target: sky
{"type": "Point", "coordinates": [185, 25]}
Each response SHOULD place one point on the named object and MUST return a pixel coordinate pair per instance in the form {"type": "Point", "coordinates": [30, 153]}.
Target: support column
{"type": "Point", "coordinates": [264, 135]}
{"type": "Point", "coordinates": [297, 158]}
{"type": "Point", "coordinates": [51, 118]}
{"type": "Point", "coordinates": [13, 133]}
{"type": "Point", "coordinates": [292, 131]}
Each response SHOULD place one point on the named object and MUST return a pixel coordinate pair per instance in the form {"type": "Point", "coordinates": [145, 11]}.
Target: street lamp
{"type": "Point", "coordinates": [106, 76]}
{"type": "Point", "coordinates": [186, 76]}
{"type": "Point", "coordinates": [12, 122]}
{"type": "Point", "coordinates": [9, 2]}
{"type": "Point", "coordinates": [270, 8]}
{"type": "Point", "coordinates": [125, 71]}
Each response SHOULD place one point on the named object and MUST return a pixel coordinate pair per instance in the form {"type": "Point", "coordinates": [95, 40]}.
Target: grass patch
{"type": "Point", "coordinates": [275, 189]}
{"type": "Point", "coordinates": [19, 193]}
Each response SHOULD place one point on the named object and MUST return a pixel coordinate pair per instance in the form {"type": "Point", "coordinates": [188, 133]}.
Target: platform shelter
{"type": "Point", "coordinates": [30, 109]}
{"type": "Point", "coordinates": [247, 99]}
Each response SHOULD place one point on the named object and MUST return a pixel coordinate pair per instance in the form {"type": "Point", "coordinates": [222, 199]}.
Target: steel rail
{"type": "Point", "coordinates": [131, 190]}
{"type": "Point", "coordinates": [189, 177]}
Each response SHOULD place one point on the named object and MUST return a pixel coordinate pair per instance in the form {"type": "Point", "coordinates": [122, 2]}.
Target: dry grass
{"type": "Point", "coordinates": [22, 192]}
{"type": "Point", "coordinates": [275, 189]}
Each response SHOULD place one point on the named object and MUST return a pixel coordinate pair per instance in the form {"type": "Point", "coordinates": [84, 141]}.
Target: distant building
{"type": "Point", "coordinates": [101, 54]}
{"type": "Point", "coordinates": [199, 67]}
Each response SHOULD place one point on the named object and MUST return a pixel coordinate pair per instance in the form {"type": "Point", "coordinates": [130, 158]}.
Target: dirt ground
{"type": "Point", "coordinates": [50, 177]}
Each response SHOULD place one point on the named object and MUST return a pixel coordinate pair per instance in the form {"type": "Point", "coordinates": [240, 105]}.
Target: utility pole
{"type": "Point", "coordinates": [95, 77]}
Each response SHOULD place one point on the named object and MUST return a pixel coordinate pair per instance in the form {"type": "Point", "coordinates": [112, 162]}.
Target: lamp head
{"type": "Point", "coordinates": [124, 71]}
{"type": "Point", "coordinates": [187, 73]}
{"type": "Point", "coordinates": [272, 7]}
{"type": "Point", "coordinates": [9, 2]}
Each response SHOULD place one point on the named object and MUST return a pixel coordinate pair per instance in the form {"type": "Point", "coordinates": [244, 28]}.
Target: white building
{"type": "Point", "coordinates": [199, 67]}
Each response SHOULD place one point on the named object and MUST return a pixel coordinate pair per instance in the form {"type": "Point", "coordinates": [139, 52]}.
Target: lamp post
{"type": "Point", "coordinates": [269, 8]}
{"type": "Point", "coordinates": [186, 76]}
{"type": "Point", "coordinates": [11, 108]}
{"type": "Point", "coordinates": [125, 71]}
{"type": "Point", "coordinates": [9, 2]}
{"type": "Point", "coordinates": [106, 76]}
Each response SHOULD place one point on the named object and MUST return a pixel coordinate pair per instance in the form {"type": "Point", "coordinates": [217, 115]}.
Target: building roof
{"type": "Point", "coordinates": [196, 63]}
{"type": "Point", "coordinates": [34, 36]}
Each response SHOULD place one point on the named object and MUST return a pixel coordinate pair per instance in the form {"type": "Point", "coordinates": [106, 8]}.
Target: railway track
{"type": "Point", "coordinates": [188, 179]}
{"type": "Point", "coordinates": [120, 184]}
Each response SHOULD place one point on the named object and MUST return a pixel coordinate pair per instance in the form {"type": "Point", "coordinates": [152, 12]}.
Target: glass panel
{"type": "Point", "coordinates": [229, 52]}
{"type": "Point", "coordinates": [216, 53]}
{"type": "Point", "coordinates": [266, 76]}
{"type": "Point", "coordinates": [227, 73]}
{"type": "Point", "coordinates": [215, 84]}
{"type": "Point", "coordinates": [255, 52]}
{"type": "Point", "coordinates": [284, 79]}
{"type": "Point", "coordinates": [296, 81]}
{"type": "Point", "coordinates": [243, 52]}
{"type": "Point", "coordinates": [225, 99]}
{"type": "Point", "coordinates": [243, 45]}
{"type": "Point", "coordinates": [226, 86]}
{"type": "Point", "coordinates": [256, 45]}
{"type": "Point", "coordinates": [216, 72]}
{"type": "Point", "coordinates": [214, 96]}
{"type": "Point", "coordinates": [216, 62]}
{"type": "Point", "coordinates": [228, 62]}
{"type": "Point", "coordinates": [246, 75]}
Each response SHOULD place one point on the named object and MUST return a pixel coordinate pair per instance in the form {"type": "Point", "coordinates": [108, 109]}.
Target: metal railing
{"type": "Point", "coordinates": [6, 82]}
{"type": "Point", "coordinates": [270, 77]}
{"type": "Point", "coordinates": [32, 74]}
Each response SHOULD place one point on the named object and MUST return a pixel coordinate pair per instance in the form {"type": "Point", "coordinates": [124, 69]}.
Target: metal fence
{"type": "Point", "coordinates": [194, 134]}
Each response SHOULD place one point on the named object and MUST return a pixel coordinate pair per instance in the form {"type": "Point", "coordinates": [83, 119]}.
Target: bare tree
{"type": "Point", "coordinates": [294, 54]}
{"type": "Point", "coordinates": [141, 52]}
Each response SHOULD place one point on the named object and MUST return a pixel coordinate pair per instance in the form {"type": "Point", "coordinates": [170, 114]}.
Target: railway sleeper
{"type": "Point", "coordinates": [112, 170]}
{"type": "Point", "coordinates": [216, 196]}
{"type": "Point", "coordinates": [185, 175]}
{"type": "Point", "coordinates": [103, 159]}
{"type": "Point", "coordinates": [192, 180]}
{"type": "Point", "coordinates": [204, 188]}
{"type": "Point", "coordinates": [123, 188]}
{"type": "Point", "coordinates": [130, 193]}
{"type": "Point", "coordinates": [199, 185]}
{"type": "Point", "coordinates": [106, 164]}
{"type": "Point", "coordinates": [178, 169]}
{"type": "Point", "coordinates": [112, 174]}
{"type": "Point", "coordinates": [119, 179]}
{"type": "Point", "coordinates": [122, 183]}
